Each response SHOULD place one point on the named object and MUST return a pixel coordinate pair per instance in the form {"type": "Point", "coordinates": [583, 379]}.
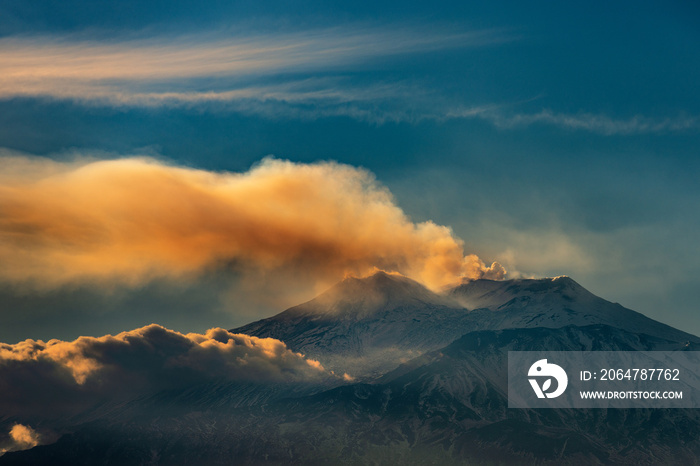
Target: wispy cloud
{"type": "Point", "coordinates": [299, 75]}
{"type": "Point", "coordinates": [125, 70]}
{"type": "Point", "coordinates": [595, 123]}
{"type": "Point", "coordinates": [296, 75]}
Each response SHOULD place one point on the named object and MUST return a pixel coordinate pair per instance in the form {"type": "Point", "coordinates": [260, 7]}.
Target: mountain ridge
{"type": "Point", "coordinates": [367, 326]}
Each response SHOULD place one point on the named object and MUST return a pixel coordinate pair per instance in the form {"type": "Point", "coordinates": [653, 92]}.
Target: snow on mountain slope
{"type": "Point", "coordinates": [551, 302]}
{"type": "Point", "coordinates": [354, 299]}
{"type": "Point", "coordinates": [456, 398]}
{"type": "Point", "coordinates": [368, 326]}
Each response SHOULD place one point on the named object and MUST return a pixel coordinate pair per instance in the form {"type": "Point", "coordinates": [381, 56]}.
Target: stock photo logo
{"type": "Point", "coordinates": [545, 372]}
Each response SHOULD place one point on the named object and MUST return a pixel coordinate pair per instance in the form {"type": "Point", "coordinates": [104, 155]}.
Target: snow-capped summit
{"type": "Point", "coordinates": [365, 326]}
{"type": "Point", "coordinates": [550, 302]}
{"type": "Point", "coordinates": [359, 298]}
{"type": "Point", "coordinates": [485, 293]}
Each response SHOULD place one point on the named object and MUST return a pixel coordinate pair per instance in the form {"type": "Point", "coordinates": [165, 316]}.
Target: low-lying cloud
{"type": "Point", "coordinates": [60, 378]}
{"type": "Point", "coordinates": [128, 221]}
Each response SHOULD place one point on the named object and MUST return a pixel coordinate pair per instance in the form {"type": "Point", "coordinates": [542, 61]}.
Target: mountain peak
{"type": "Point", "coordinates": [381, 282]}
{"type": "Point", "coordinates": [357, 298]}
{"type": "Point", "coordinates": [489, 293]}
{"type": "Point", "coordinates": [379, 277]}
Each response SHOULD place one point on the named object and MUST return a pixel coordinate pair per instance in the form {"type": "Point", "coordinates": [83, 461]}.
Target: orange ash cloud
{"type": "Point", "coordinates": [128, 221]}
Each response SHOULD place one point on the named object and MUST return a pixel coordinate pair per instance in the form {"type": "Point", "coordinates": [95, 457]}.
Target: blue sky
{"type": "Point", "coordinates": [553, 138]}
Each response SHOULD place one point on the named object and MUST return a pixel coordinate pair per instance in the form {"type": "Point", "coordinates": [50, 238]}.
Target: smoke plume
{"type": "Point", "coordinates": [20, 437]}
{"type": "Point", "coordinates": [128, 221]}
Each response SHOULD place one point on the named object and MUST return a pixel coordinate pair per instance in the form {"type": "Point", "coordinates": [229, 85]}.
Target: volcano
{"type": "Point", "coordinates": [417, 377]}
{"type": "Point", "coordinates": [367, 326]}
